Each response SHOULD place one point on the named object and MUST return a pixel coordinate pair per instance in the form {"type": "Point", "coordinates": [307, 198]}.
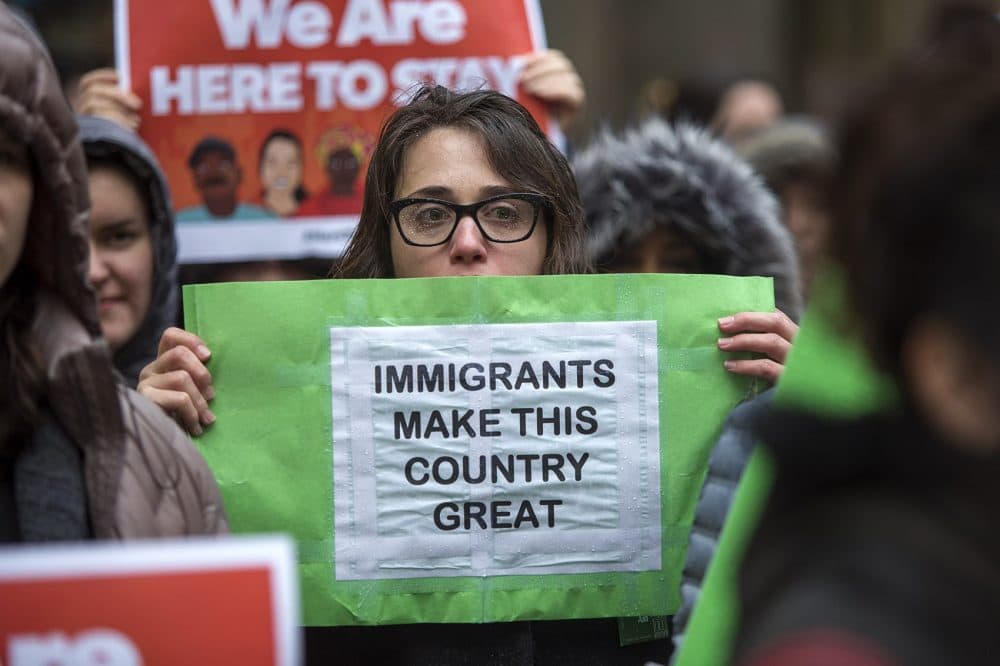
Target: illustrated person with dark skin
{"type": "Point", "coordinates": [342, 196]}
{"type": "Point", "coordinates": [217, 177]}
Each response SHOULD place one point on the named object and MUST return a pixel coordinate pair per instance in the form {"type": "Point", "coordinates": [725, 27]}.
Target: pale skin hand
{"type": "Point", "coordinates": [178, 380]}
{"type": "Point", "coordinates": [551, 77]}
{"type": "Point", "coordinates": [100, 94]}
{"type": "Point", "coordinates": [767, 333]}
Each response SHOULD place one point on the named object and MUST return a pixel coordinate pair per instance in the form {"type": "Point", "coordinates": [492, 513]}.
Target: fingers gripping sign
{"type": "Point", "coordinates": [178, 381]}
{"type": "Point", "coordinates": [552, 77]}
{"type": "Point", "coordinates": [769, 334]}
{"type": "Point", "coordinates": [100, 94]}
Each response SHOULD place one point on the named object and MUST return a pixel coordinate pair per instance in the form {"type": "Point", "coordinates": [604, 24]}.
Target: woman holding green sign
{"type": "Point", "coordinates": [460, 184]}
{"type": "Point", "coordinates": [440, 149]}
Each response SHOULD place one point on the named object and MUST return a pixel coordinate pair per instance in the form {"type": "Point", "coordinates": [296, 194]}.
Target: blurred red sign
{"type": "Point", "coordinates": [218, 601]}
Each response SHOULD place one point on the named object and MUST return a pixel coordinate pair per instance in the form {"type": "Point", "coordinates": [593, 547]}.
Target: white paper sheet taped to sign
{"type": "Point", "coordinates": [495, 449]}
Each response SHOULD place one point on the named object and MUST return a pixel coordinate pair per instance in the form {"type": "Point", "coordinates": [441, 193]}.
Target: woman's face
{"type": "Point", "coordinates": [451, 164]}
{"type": "Point", "coordinates": [16, 191]}
{"type": "Point", "coordinates": [121, 254]}
{"type": "Point", "coordinates": [281, 165]}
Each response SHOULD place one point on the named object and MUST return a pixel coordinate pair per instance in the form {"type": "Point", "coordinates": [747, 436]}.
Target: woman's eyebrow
{"type": "Point", "coordinates": [118, 225]}
{"type": "Point", "coordinates": [433, 191]}
{"type": "Point", "coordinates": [443, 192]}
{"type": "Point", "coordinates": [495, 190]}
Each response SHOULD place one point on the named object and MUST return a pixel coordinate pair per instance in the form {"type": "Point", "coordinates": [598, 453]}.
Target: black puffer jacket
{"type": "Point", "coordinates": [878, 537]}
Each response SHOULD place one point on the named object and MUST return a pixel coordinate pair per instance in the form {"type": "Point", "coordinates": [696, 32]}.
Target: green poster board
{"type": "Point", "coordinates": [827, 373]}
{"type": "Point", "coordinates": [302, 370]}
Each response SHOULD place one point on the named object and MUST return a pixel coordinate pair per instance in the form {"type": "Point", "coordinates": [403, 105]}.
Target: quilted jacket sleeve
{"type": "Point", "coordinates": [166, 488]}
{"type": "Point", "coordinates": [725, 467]}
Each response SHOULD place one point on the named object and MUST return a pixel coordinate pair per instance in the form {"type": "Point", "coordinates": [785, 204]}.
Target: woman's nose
{"type": "Point", "coordinates": [98, 270]}
{"type": "Point", "coordinates": [467, 243]}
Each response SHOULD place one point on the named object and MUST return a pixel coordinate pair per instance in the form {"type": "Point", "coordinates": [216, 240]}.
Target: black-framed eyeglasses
{"type": "Point", "coordinates": [505, 218]}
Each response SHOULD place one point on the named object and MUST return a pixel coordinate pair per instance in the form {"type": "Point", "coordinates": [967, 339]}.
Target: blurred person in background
{"type": "Point", "coordinates": [747, 106]}
{"type": "Point", "coordinates": [81, 455]}
{"type": "Point", "coordinates": [664, 199]}
{"type": "Point", "coordinates": [795, 157]}
{"type": "Point", "coordinates": [879, 544]}
{"type": "Point", "coordinates": [674, 199]}
{"type": "Point", "coordinates": [133, 252]}
{"type": "Point", "coordinates": [731, 106]}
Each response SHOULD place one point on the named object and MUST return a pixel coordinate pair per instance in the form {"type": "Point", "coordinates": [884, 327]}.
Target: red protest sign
{"type": "Point", "coordinates": [263, 113]}
{"type": "Point", "coordinates": [167, 602]}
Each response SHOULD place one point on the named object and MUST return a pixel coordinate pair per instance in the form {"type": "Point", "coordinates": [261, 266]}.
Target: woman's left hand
{"type": "Point", "coordinates": [550, 76]}
{"type": "Point", "coordinates": [767, 333]}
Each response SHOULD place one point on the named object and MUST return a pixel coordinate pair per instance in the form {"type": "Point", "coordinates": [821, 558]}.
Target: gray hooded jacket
{"type": "Point", "coordinates": [103, 139]}
{"type": "Point", "coordinates": [685, 178]}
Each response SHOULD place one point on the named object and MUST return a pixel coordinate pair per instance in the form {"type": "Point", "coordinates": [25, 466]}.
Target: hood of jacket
{"type": "Point", "coordinates": [80, 385]}
{"type": "Point", "coordinates": [34, 112]}
{"type": "Point", "coordinates": [683, 177]}
{"type": "Point", "coordinates": [103, 139]}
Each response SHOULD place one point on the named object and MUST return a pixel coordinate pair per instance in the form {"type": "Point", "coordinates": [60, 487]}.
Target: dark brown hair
{"type": "Point", "coordinates": [22, 368]}
{"type": "Point", "coordinates": [916, 197]}
{"type": "Point", "coordinates": [517, 150]}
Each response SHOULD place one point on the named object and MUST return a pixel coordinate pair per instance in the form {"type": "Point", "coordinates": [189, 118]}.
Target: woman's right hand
{"type": "Point", "coordinates": [178, 380]}
{"type": "Point", "coordinates": [99, 94]}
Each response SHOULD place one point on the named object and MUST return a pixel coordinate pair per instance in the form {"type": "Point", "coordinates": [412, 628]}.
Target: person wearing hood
{"type": "Point", "coordinates": [664, 198]}
{"type": "Point", "coordinates": [795, 156]}
{"type": "Point", "coordinates": [674, 199]}
{"type": "Point", "coordinates": [81, 456]}
{"type": "Point", "coordinates": [133, 251]}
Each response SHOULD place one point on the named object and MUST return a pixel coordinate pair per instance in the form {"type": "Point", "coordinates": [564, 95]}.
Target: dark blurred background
{"type": "Point", "coordinates": [633, 53]}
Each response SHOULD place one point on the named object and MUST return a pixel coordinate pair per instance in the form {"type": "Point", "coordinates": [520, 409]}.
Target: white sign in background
{"type": "Point", "coordinates": [495, 449]}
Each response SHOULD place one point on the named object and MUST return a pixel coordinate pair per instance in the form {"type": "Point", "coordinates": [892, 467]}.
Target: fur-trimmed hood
{"type": "Point", "coordinates": [104, 139]}
{"type": "Point", "coordinates": [682, 176]}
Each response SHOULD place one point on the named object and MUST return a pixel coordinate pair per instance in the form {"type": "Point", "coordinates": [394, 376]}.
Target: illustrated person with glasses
{"type": "Point", "coordinates": [458, 184]}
